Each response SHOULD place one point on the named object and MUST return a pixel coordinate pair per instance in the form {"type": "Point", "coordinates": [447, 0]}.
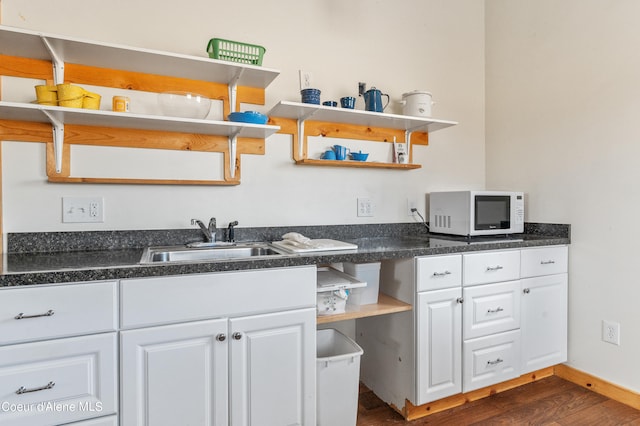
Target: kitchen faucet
{"type": "Point", "coordinates": [231, 236]}
{"type": "Point", "coordinates": [209, 232]}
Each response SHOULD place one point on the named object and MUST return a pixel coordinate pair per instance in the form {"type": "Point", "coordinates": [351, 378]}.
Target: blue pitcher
{"type": "Point", "coordinates": [373, 100]}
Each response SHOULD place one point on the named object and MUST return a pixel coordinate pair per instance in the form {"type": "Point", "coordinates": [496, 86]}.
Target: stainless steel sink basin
{"type": "Point", "coordinates": [172, 254]}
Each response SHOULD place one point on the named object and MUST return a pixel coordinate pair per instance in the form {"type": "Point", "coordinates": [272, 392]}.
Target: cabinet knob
{"type": "Point", "coordinates": [526, 290]}
{"type": "Point", "coordinates": [221, 337]}
{"type": "Point", "coordinates": [237, 335]}
{"type": "Point", "coordinates": [459, 300]}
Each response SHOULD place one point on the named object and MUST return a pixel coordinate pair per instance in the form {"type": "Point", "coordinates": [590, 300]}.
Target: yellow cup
{"type": "Point", "coordinates": [91, 100]}
{"type": "Point", "coordinates": [47, 95]}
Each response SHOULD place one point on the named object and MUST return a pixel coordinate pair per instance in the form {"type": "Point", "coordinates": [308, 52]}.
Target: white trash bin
{"type": "Point", "coordinates": [337, 379]}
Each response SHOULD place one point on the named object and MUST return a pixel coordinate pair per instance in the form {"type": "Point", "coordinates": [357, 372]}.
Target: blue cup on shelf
{"type": "Point", "coordinates": [348, 102]}
{"type": "Point", "coordinates": [341, 152]}
{"type": "Point", "coordinates": [310, 96]}
{"type": "Point", "coordinates": [329, 155]}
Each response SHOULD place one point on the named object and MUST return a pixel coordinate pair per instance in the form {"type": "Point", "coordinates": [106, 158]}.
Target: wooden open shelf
{"type": "Point", "coordinates": [60, 59]}
{"type": "Point", "coordinates": [358, 164]}
{"type": "Point", "coordinates": [302, 120]}
{"type": "Point", "coordinates": [386, 305]}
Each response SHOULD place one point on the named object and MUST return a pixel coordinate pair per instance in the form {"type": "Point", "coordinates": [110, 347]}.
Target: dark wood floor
{"type": "Point", "coordinates": [550, 401]}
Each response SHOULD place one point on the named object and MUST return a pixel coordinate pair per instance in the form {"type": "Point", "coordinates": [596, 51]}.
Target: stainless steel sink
{"type": "Point", "coordinates": [171, 254]}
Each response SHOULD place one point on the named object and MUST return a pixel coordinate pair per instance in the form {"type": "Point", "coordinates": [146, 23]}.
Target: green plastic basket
{"type": "Point", "coordinates": [234, 51]}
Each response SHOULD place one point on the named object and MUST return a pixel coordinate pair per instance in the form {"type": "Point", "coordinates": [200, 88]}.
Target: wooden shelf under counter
{"type": "Point", "coordinates": [386, 305]}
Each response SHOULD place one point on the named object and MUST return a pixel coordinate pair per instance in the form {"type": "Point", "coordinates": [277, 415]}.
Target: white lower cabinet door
{"type": "Point", "coordinates": [58, 381]}
{"type": "Point", "coordinates": [272, 365]}
{"type": "Point", "coordinates": [439, 344]}
{"type": "Point", "coordinates": [544, 322]}
{"type": "Point", "coordinates": [175, 375]}
{"type": "Point", "coordinates": [491, 359]}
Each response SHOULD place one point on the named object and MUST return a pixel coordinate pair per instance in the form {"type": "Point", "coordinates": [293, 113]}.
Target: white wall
{"type": "Point", "coordinates": [563, 96]}
{"type": "Point", "coordinates": [396, 46]}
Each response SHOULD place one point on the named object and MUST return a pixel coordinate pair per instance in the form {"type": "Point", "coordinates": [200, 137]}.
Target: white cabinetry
{"type": "Point", "coordinates": [240, 349]}
{"type": "Point", "coordinates": [512, 320]}
{"type": "Point", "coordinates": [438, 327]}
{"type": "Point", "coordinates": [491, 317]}
{"type": "Point", "coordinates": [46, 381]}
{"type": "Point", "coordinates": [544, 307]}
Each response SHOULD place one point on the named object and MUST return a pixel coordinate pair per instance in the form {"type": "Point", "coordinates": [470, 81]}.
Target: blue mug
{"type": "Point", "coordinates": [329, 155]}
{"type": "Point", "coordinates": [348, 102]}
{"type": "Point", "coordinates": [341, 152]}
{"type": "Point", "coordinates": [310, 96]}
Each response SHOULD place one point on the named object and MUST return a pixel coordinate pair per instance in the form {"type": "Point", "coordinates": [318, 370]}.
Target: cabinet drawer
{"type": "Point", "coordinates": [166, 300]}
{"type": "Point", "coordinates": [544, 261]}
{"type": "Point", "coordinates": [482, 268]}
{"type": "Point", "coordinates": [62, 380]}
{"type": "Point", "coordinates": [102, 421]}
{"type": "Point", "coordinates": [490, 308]}
{"type": "Point", "coordinates": [438, 272]}
{"type": "Point", "coordinates": [491, 359]}
{"type": "Point", "coordinates": [56, 311]}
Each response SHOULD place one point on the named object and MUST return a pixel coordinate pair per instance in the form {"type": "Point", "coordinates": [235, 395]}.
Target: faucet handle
{"type": "Point", "coordinates": [212, 223]}
{"type": "Point", "coordinates": [231, 236]}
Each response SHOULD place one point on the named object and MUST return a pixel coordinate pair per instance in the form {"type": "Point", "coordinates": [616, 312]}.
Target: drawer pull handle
{"type": "Point", "coordinates": [495, 311]}
{"type": "Point", "coordinates": [21, 315]}
{"type": "Point", "coordinates": [496, 362]}
{"type": "Point", "coordinates": [441, 274]}
{"type": "Point", "coordinates": [25, 390]}
{"type": "Point", "coordinates": [547, 262]}
{"type": "Point", "coordinates": [494, 268]}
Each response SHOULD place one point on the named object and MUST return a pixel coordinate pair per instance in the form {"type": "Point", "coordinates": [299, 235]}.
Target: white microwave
{"type": "Point", "coordinates": [472, 213]}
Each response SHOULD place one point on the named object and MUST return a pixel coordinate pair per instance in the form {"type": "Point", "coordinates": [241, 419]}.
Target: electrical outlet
{"type": "Point", "coordinates": [306, 80]}
{"type": "Point", "coordinates": [82, 209]}
{"type": "Point", "coordinates": [611, 332]}
{"type": "Point", "coordinates": [411, 204]}
{"type": "Point", "coordinates": [365, 207]}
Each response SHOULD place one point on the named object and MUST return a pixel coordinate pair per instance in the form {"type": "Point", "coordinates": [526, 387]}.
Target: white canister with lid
{"type": "Point", "coordinates": [417, 103]}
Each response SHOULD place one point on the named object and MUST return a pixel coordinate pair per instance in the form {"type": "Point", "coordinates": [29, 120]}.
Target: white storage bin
{"type": "Point", "coordinates": [337, 379]}
{"type": "Point", "coordinates": [370, 274]}
{"type": "Point", "coordinates": [333, 290]}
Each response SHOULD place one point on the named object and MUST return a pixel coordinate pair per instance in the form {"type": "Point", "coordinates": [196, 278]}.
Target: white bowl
{"type": "Point", "coordinates": [184, 104]}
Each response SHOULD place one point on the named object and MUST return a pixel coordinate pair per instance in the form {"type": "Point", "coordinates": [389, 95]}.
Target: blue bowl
{"type": "Point", "coordinates": [253, 117]}
{"type": "Point", "coordinates": [359, 156]}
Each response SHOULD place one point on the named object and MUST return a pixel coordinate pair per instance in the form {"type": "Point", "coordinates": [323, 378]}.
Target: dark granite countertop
{"type": "Point", "coordinates": [104, 256]}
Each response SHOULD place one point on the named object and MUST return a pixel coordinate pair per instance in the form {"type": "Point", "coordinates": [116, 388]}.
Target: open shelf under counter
{"type": "Point", "coordinates": [303, 111]}
{"type": "Point", "coordinates": [386, 305]}
{"type": "Point", "coordinates": [39, 45]}
{"type": "Point", "coordinates": [87, 117]}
